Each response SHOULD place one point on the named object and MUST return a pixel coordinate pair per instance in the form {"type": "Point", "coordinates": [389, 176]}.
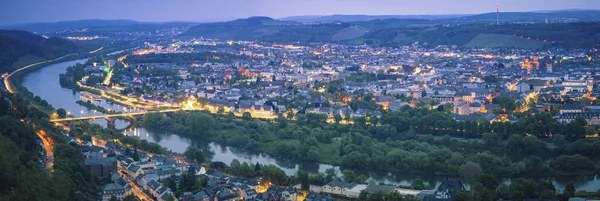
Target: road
{"type": "Point", "coordinates": [109, 95]}
{"type": "Point", "coordinates": [96, 50]}
{"type": "Point", "coordinates": [7, 83]}
{"type": "Point", "coordinates": [48, 145]}
{"type": "Point", "coordinates": [137, 191]}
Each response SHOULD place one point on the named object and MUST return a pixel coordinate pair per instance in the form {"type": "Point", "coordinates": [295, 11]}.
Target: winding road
{"type": "Point", "coordinates": [7, 83]}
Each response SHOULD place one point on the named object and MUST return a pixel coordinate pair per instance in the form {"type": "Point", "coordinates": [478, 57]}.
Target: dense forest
{"type": "Point", "coordinates": [15, 45]}
{"type": "Point", "coordinates": [22, 176]}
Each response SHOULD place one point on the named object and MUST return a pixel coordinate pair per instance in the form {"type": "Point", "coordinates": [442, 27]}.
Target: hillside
{"type": "Point", "coordinates": [349, 33]}
{"type": "Point", "coordinates": [357, 18]}
{"type": "Point", "coordinates": [27, 47]}
{"type": "Point", "coordinates": [266, 29]}
{"type": "Point", "coordinates": [560, 35]}
{"type": "Point", "coordinates": [503, 40]}
{"type": "Point", "coordinates": [560, 16]}
{"type": "Point", "coordinates": [49, 27]}
{"type": "Point", "coordinates": [23, 176]}
{"type": "Point", "coordinates": [393, 32]}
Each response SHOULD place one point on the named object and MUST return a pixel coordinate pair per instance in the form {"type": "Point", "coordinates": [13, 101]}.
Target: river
{"type": "Point", "coordinates": [45, 83]}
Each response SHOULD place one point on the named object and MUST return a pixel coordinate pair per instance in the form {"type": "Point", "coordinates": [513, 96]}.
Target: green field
{"type": "Point", "coordinates": [502, 40]}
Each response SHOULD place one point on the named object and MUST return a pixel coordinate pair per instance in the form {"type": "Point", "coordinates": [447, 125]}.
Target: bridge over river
{"type": "Point", "coordinates": [110, 118]}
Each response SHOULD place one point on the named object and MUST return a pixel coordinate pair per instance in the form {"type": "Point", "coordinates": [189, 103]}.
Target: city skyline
{"type": "Point", "coordinates": [31, 11]}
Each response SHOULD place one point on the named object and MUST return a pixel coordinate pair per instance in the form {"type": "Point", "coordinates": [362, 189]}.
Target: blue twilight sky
{"type": "Point", "coordinates": [25, 11]}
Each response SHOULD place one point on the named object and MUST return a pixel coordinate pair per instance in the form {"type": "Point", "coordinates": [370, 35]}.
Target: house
{"type": "Point", "coordinates": [134, 170]}
{"type": "Point", "coordinates": [215, 174]}
{"type": "Point", "coordinates": [492, 107]}
{"type": "Point", "coordinates": [101, 167]}
{"type": "Point", "coordinates": [312, 196]}
{"type": "Point", "coordinates": [343, 188]}
{"type": "Point", "coordinates": [384, 101]}
{"type": "Point", "coordinates": [227, 196]}
{"type": "Point", "coordinates": [474, 117]}
{"type": "Point", "coordinates": [282, 194]}
{"type": "Point", "coordinates": [468, 108]}
{"type": "Point", "coordinates": [571, 108]}
{"type": "Point", "coordinates": [249, 194]}
{"type": "Point", "coordinates": [115, 178]}
{"type": "Point", "coordinates": [247, 183]}
{"type": "Point", "coordinates": [147, 178]}
{"type": "Point", "coordinates": [446, 191]}
{"type": "Point", "coordinates": [380, 188]}
{"type": "Point", "coordinates": [111, 190]}
{"type": "Point", "coordinates": [592, 118]}
{"type": "Point", "coordinates": [397, 105]}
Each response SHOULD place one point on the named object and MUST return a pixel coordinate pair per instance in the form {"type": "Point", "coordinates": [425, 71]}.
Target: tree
{"type": "Point", "coordinates": [257, 168]}
{"type": "Point", "coordinates": [490, 139]}
{"type": "Point", "coordinates": [347, 117]}
{"type": "Point", "coordinates": [569, 190]}
{"type": "Point", "coordinates": [470, 171]}
{"type": "Point", "coordinates": [62, 113]}
{"type": "Point", "coordinates": [330, 174]}
{"type": "Point", "coordinates": [195, 154]}
{"type": "Point", "coordinates": [337, 118]}
{"type": "Point", "coordinates": [393, 196]}
{"type": "Point", "coordinates": [200, 123]}
{"type": "Point", "coordinates": [363, 196]}
{"type": "Point", "coordinates": [136, 155]}
{"type": "Point", "coordinates": [170, 198]}
{"type": "Point", "coordinates": [418, 184]}
{"type": "Point", "coordinates": [507, 103]}
{"type": "Point", "coordinates": [246, 116]}
{"type": "Point", "coordinates": [304, 179]}
{"type": "Point", "coordinates": [462, 196]}
{"type": "Point", "coordinates": [188, 180]}
{"type": "Point", "coordinates": [349, 175]}
{"type": "Point", "coordinates": [130, 197]}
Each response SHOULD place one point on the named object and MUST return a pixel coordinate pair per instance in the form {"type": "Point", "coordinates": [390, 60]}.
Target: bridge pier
{"type": "Point", "coordinates": [110, 123]}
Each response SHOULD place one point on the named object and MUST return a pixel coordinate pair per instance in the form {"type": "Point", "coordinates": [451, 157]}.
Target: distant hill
{"type": "Point", "coordinates": [266, 29]}
{"type": "Point", "coordinates": [357, 18]}
{"type": "Point", "coordinates": [561, 16]}
{"type": "Point", "coordinates": [560, 35]}
{"type": "Point", "coordinates": [553, 16]}
{"type": "Point", "coordinates": [49, 27]}
{"type": "Point", "coordinates": [23, 47]}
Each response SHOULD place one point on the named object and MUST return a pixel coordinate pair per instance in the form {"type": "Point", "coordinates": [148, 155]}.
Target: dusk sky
{"type": "Point", "coordinates": [25, 11]}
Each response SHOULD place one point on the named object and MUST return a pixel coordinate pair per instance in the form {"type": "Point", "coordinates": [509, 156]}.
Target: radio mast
{"type": "Point", "coordinates": [497, 12]}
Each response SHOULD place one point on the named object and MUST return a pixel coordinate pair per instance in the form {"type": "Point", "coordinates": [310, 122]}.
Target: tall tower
{"type": "Point", "coordinates": [497, 13]}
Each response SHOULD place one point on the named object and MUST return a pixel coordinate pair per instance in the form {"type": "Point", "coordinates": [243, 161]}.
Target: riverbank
{"type": "Point", "coordinates": [342, 145]}
{"type": "Point", "coordinates": [94, 107]}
